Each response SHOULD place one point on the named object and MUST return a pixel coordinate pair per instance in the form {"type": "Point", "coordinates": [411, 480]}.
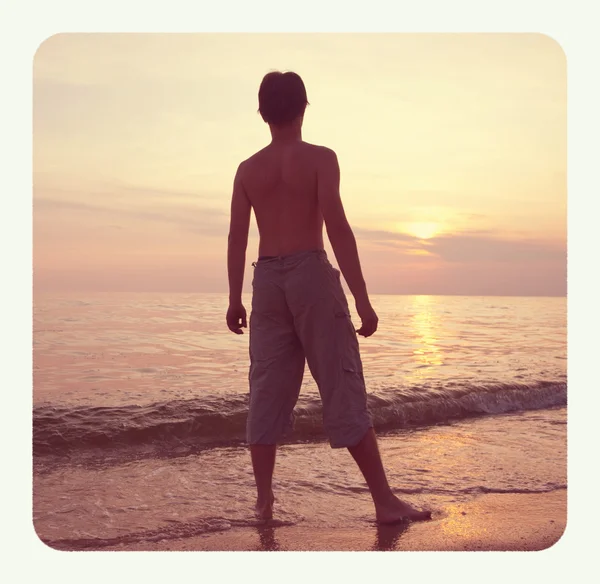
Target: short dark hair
{"type": "Point", "coordinates": [281, 97]}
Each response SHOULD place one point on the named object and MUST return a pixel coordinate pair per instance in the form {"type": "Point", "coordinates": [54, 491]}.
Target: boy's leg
{"type": "Point", "coordinates": [276, 372]}
{"type": "Point", "coordinates": [388, 508]}
{"type": "Point", "coordinates": [263, 464]}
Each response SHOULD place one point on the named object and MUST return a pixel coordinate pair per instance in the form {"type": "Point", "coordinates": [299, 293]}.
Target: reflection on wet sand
{"type": "Point", "coordinates": [458, 524]}
{"type": "Point", "coordinates": [268, 541]}
{"type": "Point", "coordinates": [387, 536]}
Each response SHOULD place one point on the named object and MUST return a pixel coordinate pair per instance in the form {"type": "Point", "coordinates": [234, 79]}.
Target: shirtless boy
{"type": "Point", "coordinates": [299, 309]}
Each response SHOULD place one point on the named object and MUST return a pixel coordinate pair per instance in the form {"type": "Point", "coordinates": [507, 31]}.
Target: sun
{"type": "Point", "coordinates": [425, 230]}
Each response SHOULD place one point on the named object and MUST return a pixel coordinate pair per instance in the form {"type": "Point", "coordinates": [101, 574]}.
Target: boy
{"type": "Point", "coordinates": [299, 309]}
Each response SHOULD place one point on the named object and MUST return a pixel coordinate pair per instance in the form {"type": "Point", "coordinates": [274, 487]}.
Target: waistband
{"type": "Point", "coordinates": [289, 258]}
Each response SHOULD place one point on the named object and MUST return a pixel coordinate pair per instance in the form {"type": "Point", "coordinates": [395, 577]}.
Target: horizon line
{"type": "Point", "coordinates": [55, 292]}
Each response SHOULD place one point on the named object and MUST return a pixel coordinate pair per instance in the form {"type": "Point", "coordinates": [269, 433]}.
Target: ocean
{"type": "Point", "coordinates": [140, 406]}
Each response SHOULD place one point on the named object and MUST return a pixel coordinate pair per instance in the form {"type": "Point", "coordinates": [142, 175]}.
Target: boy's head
{"type": "Point", "coordinates": [281, 98]}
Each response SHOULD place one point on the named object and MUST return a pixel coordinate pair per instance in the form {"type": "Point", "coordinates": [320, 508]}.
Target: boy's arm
{"type": "Point", "coordinates": [238, 239]}
{"type": "Point", "coordinates": [338, 229]}
{"type": "Point", "coordinates": [341, 237]}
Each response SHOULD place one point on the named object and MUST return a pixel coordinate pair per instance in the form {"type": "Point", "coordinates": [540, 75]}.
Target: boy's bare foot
{"type": "Point", "coordinates": [395, 510]}
{"type": "Point", "coordinates": [264, 509]}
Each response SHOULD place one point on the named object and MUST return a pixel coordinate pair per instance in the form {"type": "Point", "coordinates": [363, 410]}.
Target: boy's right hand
{"type": "Point", "coordinates": [368, 317]}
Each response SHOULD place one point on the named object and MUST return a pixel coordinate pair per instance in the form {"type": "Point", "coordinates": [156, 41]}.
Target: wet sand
{"type": "Point", "coordinates": [492, 522]}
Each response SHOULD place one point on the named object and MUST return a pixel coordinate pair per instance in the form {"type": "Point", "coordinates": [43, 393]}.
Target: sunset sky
{"type": "Point", "coordinates": [452, 150]}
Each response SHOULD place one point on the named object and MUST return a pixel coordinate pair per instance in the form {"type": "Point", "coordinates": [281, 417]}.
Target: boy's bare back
{"type": "Point", "coordinates": [281, 182]}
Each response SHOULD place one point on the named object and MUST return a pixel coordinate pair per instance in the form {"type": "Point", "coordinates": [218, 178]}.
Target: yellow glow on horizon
{"type": "Point", "coordinates": [418, 252]}
{"type": "Point", "coordinates": [423, 230]}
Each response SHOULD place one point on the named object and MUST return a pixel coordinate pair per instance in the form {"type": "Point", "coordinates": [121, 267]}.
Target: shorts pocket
{"type": "Point", "coordinates": [353, 388]}
{"type": "Point", "coordinates": [351, 366]}
{"type": "Point", "coordinates": [347, 344]}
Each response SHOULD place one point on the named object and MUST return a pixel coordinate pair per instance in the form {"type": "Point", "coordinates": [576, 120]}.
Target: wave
{"type": "Point", "coordinates": [210, 421]}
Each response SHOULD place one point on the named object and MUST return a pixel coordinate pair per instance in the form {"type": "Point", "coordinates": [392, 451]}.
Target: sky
{"type": "Point", "coordinates": [452, 149]}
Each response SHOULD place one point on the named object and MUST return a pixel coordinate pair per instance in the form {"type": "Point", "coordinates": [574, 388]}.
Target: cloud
{"type": "Point", "coordinates": [381, 236]}
{"type": "Point", "coordinates": [120, 204]}
{"type": "Point", "coordinates": [43, 187]}
{"type": "Point", "coordinates": [198, 219]}
{"type": "Point", "coordinates": [470, 247]}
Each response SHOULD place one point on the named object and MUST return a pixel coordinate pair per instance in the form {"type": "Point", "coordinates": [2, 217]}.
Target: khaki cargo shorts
{"type": "Point", "coordinates": [300, 313]}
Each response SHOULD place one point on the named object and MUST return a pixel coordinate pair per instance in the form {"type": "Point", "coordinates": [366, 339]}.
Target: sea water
{"type": "Point", "coordinates": [140, 405]}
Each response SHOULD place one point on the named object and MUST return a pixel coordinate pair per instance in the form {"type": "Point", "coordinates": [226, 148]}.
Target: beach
{"type": "Point", "coordinates": [507, 522]}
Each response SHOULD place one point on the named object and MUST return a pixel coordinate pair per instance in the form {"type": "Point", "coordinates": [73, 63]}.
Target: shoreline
{"type": "Point", "coordinates": [489, 522]}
